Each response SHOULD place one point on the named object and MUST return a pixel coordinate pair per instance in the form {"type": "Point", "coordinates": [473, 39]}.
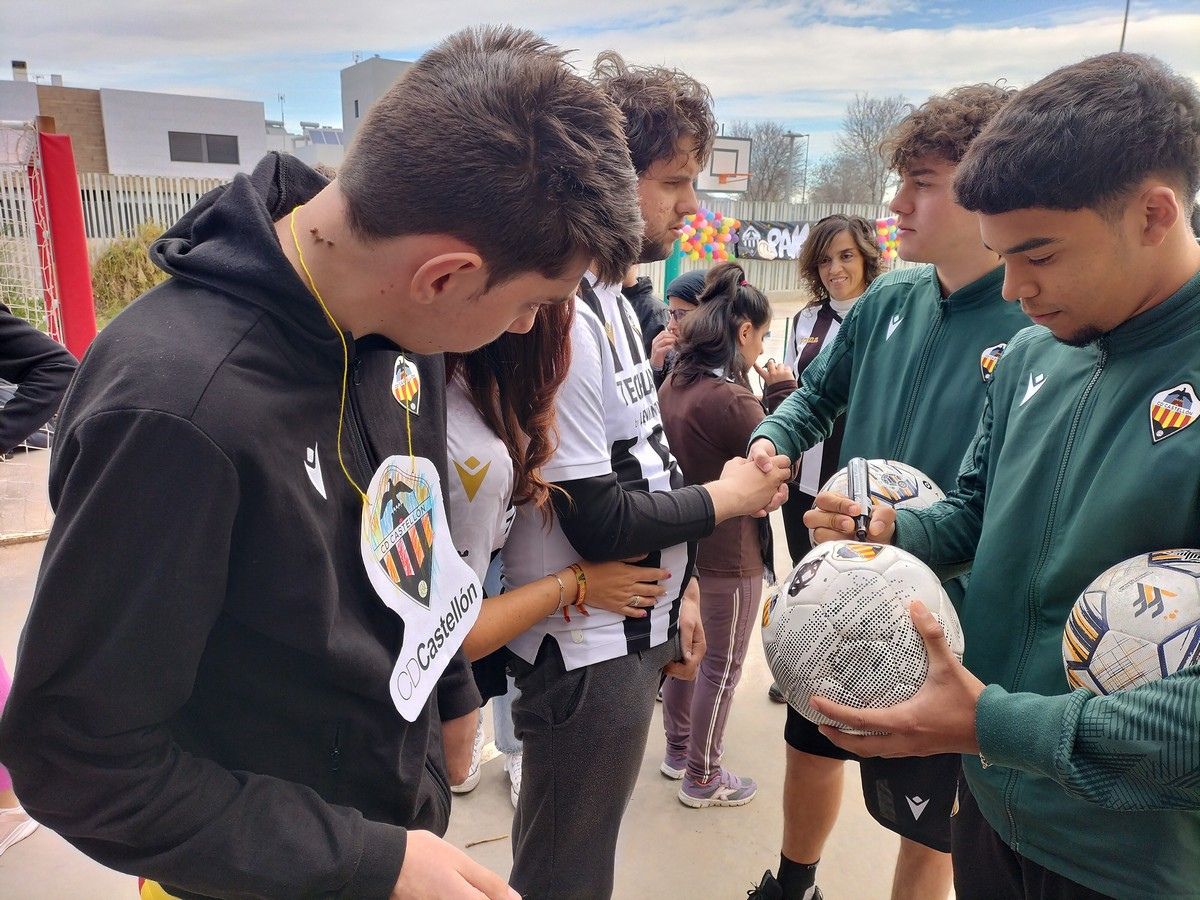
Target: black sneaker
{"type": "Point", "coordinates": [767, 889]}
{"type": "Point", "coordinates": [776, 694]}
{"type": "Point", "coordinates": [770, 889]}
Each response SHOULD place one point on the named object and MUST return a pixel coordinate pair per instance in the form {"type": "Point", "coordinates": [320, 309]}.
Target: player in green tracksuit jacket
{"type": "Point", "coordinates": [1084, 184]}
{"type": "Point", "coordinates": [910, 367]}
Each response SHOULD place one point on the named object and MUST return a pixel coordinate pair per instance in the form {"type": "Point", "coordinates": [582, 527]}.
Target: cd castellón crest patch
{"type": "Point", "coordinates": [415, 569]}
{"type": "Point", "coordinates": [988, 359]}
{"type": "Point", "coordinates": [406, 384]}
{"type": "Point", "coordinates": [1171, 411]}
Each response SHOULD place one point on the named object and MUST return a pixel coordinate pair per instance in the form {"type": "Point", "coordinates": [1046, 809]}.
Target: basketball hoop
{"type": "Point", "coordinates": [726, 177]}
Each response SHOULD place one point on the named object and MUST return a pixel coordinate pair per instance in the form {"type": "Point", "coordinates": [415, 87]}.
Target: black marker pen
{"type": "Point", "coordinates": [859, 478]}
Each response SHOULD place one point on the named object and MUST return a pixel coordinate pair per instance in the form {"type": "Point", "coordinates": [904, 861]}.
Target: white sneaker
{"type": "Point", "coordinates": [512, 765]}
{"type": "Point", "coordinates": [15, 825]}
{"type": "Point", "coordinates": [472, 780]}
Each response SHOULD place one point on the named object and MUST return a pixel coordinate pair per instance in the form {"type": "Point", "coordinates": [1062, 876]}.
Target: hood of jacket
{"type": "Point", "coordinates": [227, 242]}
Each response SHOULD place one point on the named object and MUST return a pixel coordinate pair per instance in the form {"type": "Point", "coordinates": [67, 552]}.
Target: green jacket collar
{"type": "Point", "coordinates": [1177, 314]}
{"type": "Point", "coordinates": [979, 292]}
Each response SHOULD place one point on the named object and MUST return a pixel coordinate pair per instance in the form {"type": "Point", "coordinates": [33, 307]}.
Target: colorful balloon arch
{"type": "Point", "coordinates": [709, 235]}
{"type": "Point", "coordinates": [887, 235]}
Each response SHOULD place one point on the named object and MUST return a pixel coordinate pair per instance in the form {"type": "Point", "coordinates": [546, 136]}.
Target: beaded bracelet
{"type": "Point", "coordinates": [581, 582]}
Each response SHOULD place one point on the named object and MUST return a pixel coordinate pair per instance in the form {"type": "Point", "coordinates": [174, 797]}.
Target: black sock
{"type": "Point", "coordinates": [796, 878]}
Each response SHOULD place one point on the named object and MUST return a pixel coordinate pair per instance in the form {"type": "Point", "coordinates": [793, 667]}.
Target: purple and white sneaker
{"type": "Point", "coordinates": [723, 789]}
{"type": "Point", "coordinates": [673, 766]}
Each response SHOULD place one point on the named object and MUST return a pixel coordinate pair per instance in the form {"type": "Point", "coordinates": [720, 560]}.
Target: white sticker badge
{"type": "Point", "coordinates": [413, 566]}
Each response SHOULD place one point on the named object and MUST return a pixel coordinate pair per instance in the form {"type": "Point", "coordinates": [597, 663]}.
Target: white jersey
{"type": "Point", "coordinates": [813, 329]}
{"type": "Point", "coordinates": [608, 422]}
{"type": "Point", "coordinates": [481, 481]}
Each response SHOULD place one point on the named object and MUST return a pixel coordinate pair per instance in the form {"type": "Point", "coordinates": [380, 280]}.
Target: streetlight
{"type": "Point", "coordinates": [791, 136]}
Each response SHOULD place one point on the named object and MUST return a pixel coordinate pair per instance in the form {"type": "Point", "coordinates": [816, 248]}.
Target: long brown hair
{"type": "Point", "coordinates": [513, 382]}
{"type": "Point", "coordinates": [822, 236]}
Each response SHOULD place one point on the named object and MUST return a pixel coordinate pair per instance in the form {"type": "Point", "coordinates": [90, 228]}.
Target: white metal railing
{"type": "Point", "coordinates": [117, 206]}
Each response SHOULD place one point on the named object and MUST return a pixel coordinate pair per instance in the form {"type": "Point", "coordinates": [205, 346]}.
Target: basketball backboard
{"type": "Point", "coordinates": [728, 170]}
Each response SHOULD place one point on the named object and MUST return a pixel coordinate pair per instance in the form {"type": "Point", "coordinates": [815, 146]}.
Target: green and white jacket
{"type": "Point", "coordinates": [910, 370]}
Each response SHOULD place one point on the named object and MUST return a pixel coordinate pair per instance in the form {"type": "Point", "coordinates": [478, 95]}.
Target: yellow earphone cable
{"type": "Point", "coordinates": [312, 285]}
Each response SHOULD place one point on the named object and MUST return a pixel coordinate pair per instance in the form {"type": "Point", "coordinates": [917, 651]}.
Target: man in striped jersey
{"type": "Point", "coordinates": [588, 684]}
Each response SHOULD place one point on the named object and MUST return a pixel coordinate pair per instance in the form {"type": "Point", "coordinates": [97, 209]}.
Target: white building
{"type": "Point", "coordinates": [316, 144]}
{"type": "Point", "coordinates": [142, 132]}
{"type": "Point", "coordinates": [319, 144]}
{"type": "Point", "coordinates": [362, 84]}
{"type": "Point", "coordinates": [173, 134]}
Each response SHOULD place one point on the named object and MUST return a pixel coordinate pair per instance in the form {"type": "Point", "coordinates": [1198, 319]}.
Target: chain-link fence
{"type": "Point", "coordinates": [28, 289]}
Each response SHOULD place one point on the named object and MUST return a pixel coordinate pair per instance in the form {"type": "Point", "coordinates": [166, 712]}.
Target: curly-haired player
{"type": "Point", "coordinates": [909, 368]}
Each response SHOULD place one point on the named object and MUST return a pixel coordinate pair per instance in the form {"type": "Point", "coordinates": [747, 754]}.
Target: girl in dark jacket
{"type": "Point", "coordinates": [709, 412]}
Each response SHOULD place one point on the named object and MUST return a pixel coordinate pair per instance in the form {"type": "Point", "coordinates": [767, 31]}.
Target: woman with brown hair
{"type": "Point", "coordinates": [709, 413]}
{"type": "Point", "coordinates": [838, 262]}
{"type": "Point", "coordinates": [500, 431]}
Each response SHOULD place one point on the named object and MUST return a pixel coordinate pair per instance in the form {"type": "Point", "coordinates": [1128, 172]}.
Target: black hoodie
{"type": "Point", "coordinates": [202, 691]}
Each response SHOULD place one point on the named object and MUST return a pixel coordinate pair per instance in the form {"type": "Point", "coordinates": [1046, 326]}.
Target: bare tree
{"type": "Point", "coordinates": [867, 122]}
{"type": "Point", "coordinates": [839, 179]}
{"type": "Point", "coordinates": [777, 165]}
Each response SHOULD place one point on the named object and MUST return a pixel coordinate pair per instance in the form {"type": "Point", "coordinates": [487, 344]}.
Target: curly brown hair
{"type": "Point", "coordinates": [513, 382]}
{"type": "Point", "coordinates": [822, 235]}
{"type": "Point", "coordinates": [661, 107]}
{"type": "Point", "coordinates": [945, 125]}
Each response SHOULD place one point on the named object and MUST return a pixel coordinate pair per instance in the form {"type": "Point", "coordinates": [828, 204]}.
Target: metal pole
{"type": "Point", "coordinates": [791, 136]}
{"type": "Point", "coordinates": [1124, 25]}
{"type": "Point", "coordinates": [804, 184]}
{"type": "Point", "coordinates": [791, 165]}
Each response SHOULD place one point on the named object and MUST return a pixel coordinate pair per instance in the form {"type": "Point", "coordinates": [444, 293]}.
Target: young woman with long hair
{"type": "Point", "coordinates": [709, 412]}
{"type": "Point", "coordinates": [500, 431]}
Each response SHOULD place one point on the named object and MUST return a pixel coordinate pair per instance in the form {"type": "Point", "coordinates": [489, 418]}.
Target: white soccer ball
{"type": "Point", "coordinates": [1138, 622]}
{"type": "Point", "coordinates": [838, 627]}
{"type": "Point", "coordinates": [892, 483]}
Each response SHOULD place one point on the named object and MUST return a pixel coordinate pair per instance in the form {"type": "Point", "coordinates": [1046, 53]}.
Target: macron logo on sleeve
{"type": "Point", "coordinates": [1035, 385]}
{"type": "Point", "coordinates": [893, 325]}
{"type": "Point", "coordinates": [312, 465]}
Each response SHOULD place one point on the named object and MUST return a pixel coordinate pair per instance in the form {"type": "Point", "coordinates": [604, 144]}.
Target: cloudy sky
{"type": "Point", "coordinates": [797, 61]}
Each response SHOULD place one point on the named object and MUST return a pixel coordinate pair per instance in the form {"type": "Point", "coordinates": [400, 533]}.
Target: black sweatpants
{"type": "Point", "coordinates": [986, 868]}
{"type": "Point", "coordinates": [583, 735]}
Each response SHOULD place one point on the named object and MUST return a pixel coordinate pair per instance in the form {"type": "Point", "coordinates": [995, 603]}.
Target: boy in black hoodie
{"type": "Point", "coordinates": [227, 677]}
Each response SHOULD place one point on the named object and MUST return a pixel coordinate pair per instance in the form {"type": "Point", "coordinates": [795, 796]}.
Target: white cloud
{"type": "Point", "coordinates": [793, 60]}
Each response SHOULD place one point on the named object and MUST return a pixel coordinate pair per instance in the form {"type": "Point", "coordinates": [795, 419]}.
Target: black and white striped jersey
{"type": "Point", "coordinates": [608, 422]}
{"type": "Point", "coordinates": [813, 329]}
